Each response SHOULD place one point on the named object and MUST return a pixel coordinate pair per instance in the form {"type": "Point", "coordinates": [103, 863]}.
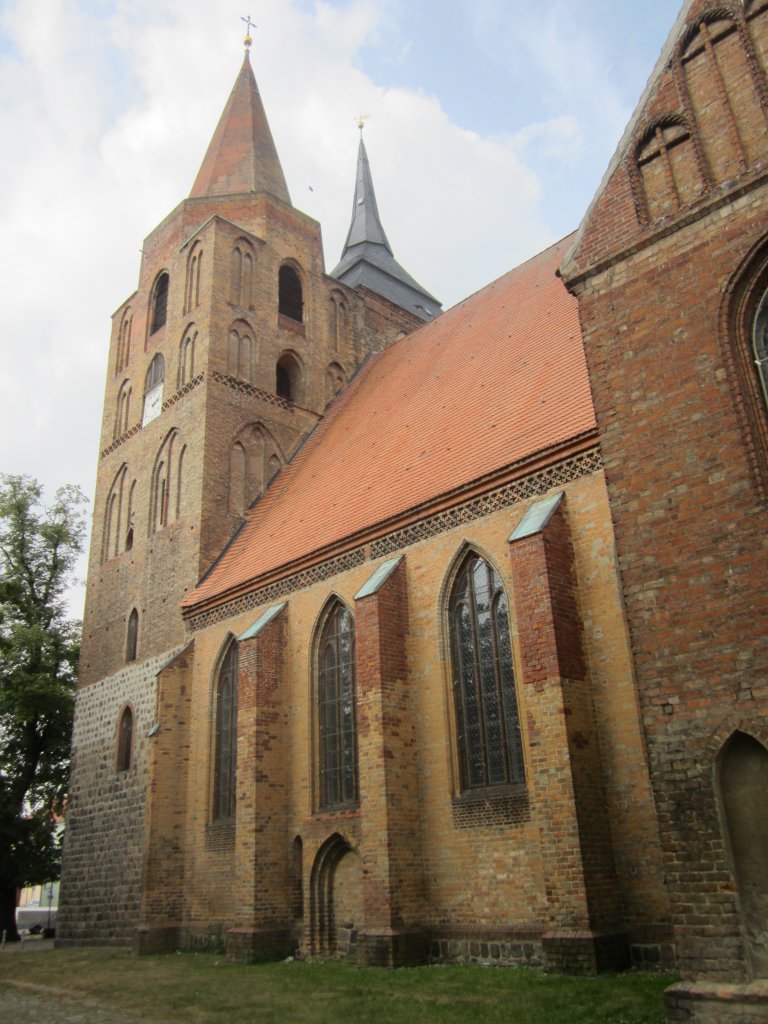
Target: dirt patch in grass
{"type": "Point", "coordinates": [203, 988]}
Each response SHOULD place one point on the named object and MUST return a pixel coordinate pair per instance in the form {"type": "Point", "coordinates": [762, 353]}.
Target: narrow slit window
{"type": "Point", "coordinates": [225, 765]}
{"type": "Point", "coordinates": [132, 637]}
{"type": "Point", "coordinates": [125, 741]}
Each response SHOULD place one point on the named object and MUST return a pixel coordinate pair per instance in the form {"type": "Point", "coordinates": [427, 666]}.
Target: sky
{"type": "Point", "coordinates": [490, 124]}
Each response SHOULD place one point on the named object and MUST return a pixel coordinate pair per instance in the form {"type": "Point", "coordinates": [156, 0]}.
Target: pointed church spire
{"type": "Point", "coordinates": [366, 223]}
{"type": "Point", "coordinates": [368, 261]}
{"type": "Point", "coordinates": [241, 156]}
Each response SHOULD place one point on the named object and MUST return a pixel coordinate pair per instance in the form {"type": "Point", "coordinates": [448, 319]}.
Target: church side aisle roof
{"type": "Point", "coordinates": [491, 383]}
{"type": "Point", "coordinates": [241, 156]}
{"type": "Point", "coordinates": [367, 259]}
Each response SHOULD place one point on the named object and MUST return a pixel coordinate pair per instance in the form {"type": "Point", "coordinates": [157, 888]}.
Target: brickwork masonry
{"type": "Point", "coordinates": [100, 888]}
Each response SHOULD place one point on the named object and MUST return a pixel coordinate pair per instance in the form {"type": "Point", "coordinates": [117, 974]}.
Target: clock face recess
{"type": "Point", "coordinates": [153, 404]}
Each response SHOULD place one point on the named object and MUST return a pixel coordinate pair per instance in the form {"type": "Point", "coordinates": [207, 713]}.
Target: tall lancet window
{"type": "Point", "coordinates": [336, 709]}
{"type": "Point", "coordinates": [225, 763]}
{"type": "Point", "coordinates": [487, 725]}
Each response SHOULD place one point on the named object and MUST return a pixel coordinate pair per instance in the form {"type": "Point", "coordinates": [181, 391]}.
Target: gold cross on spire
{"type": "Point", "coordinates": [361, 119]}
{"type": "Point", "coordinates": [249, 25]}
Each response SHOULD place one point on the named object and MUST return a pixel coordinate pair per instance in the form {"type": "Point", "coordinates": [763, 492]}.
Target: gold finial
{"type": "Point", "coordinates": [249, 25]}
{"type": "Point", "coordinates": [361, 119]}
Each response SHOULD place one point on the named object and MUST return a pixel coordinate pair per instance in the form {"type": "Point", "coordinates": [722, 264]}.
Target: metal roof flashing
{"type": "Point", "coordinates": [263, 621]}
{"type": "Point", "coordinates": [537, 517]}
{"type": "Point", "coordinates": [379, 578]}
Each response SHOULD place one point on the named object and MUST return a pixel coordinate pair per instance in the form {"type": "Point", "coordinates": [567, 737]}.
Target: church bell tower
{"type": "Point", "coordinates": [221, 363]}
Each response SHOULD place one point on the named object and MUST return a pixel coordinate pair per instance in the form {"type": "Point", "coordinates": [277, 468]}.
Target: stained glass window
{"type": "Point", "coordinates": [488, 728]}
{"type": "Point", "coordinates": [336, 711]}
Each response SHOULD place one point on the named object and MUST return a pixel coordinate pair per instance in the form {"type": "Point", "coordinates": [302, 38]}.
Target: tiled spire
{"type": "Point", "coordinates": [241, 156]}
{"type": "Point", "coordinates": [368, 261]}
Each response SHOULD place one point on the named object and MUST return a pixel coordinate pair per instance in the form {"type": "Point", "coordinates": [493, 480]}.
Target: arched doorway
{"type": "Point", "coordinates": [336, 899]}
{"type": "Point", "coordinates": [743, 790]}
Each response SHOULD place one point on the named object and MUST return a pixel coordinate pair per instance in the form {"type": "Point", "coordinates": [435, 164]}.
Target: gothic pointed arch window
{"type": "Point", "coordinates": [665, 161]}
{"type": "Point", "coordinates": [254, 458]}
{"type": "Point", "coordinates": [132, 636]}
{"type": "Point", "coordinates": [744, 318]}
{"type": "Point", "coordinates": [124, 341]}
{"type": "Point", "coordinates": [242, 274]}
{"type": "Point", "coordinates": [238, 478]}
{"type": "Point", "coordinates": [336, 708]}
{"type": "Point", "coordinates": [722, 77]}
{"type": "Point", "coordinates": [125, 740]}
{"type": "Point", "coordinates": [192, 283]}
{"type": "Point", "coordinates": [290, 295]}
{"type": "Point", "coordinates": [187, 356]}
{"type": "Point", "coordinates": [225, 737]}
{"type": "Point", "coordinates": [114, 515]}
{"type": "Point", "coordinates": [180, 470]}
{"type": "Point", "coordinates": [165, 495]}
{"type": "Point", "coordinates": [338, 320]}
{"type": "Point", "coordinates": [159, 305]}
{"type": "Point", "coordinates": [241, 350]}
{"type": "Point", "coordinates": [122, 410]}
{"type": "Point", "coordinates": [489, 749]}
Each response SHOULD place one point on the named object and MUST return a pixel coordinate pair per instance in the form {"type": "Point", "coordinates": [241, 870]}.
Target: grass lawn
{"type": "Point", "coordinates": [202, 987]}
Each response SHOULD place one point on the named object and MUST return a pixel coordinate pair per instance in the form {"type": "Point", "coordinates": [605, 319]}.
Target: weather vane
{"type": "Point", "coordinates": [361, 119]}
{"type": "Point", "coordinates": [249, 25]}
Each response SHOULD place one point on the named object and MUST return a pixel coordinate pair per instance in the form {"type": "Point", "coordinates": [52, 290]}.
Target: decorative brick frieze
{"type": "Point", "coordinates": [537, 483]}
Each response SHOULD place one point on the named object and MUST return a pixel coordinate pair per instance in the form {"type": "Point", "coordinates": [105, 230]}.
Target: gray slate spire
{"type": "Point", "coordinates": [368, 261]}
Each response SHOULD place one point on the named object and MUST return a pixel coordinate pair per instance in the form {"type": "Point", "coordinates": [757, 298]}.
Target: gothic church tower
{"type": "Point", "coordinates": [221, 363]}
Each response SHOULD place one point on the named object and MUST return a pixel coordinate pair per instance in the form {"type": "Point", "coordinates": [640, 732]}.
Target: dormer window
{"type": "Point", "coordinates": [290, 301]}
{"type": "Point", "coordinates": [159, 303]}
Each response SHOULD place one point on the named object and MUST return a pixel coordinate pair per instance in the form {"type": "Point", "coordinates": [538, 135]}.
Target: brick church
{"type": "Point", "coordinates": [415, 635]}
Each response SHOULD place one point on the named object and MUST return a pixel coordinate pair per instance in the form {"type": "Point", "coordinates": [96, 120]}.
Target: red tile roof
{"type": "Point", "coordinates": [496, 381]}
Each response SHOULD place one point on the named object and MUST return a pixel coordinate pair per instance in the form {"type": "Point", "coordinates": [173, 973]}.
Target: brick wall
{"type": "Point", "coordinates": [683, 438]}
{"type": "Point", "coordinates": [439, 877]}
{"type": "Point", "coordinates": [104, 836]}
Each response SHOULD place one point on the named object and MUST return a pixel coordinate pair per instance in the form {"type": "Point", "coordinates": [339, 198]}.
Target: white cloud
{"type": "Point", "coordinates": [106, 111]}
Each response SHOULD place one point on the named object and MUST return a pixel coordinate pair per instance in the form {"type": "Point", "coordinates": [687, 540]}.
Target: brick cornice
{"type": "Point", "coordinates": [580, 457]}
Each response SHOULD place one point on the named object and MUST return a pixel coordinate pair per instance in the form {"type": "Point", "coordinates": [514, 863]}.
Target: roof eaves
{"type": "Point", "coordinates": [438, 503]}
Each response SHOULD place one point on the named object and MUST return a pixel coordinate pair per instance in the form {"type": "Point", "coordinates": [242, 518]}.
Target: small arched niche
{"type": "Point", "coordinates": [742, 782]}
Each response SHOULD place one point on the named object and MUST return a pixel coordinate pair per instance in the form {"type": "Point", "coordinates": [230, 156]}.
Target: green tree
{"type": "Point", "coordinates": [39, 648]}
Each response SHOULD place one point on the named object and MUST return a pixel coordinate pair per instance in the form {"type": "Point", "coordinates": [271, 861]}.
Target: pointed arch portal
{"type": "Point", "coordinates": [743, 784]}
{"type": "Point", "coordinates": [336, 898]}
